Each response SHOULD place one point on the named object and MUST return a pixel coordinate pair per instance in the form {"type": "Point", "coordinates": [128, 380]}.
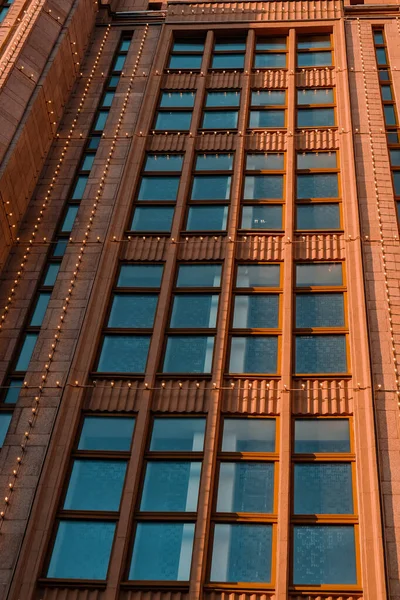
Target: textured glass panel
{"type": "Point", "coordinates": [227, 61]}
{"type": "Point", "coordinates": [5, 420]}
{"type": "Point", "coordinates": [246, 487]}
{"type": "Point", "coordinates": [81, 550]}
{"type": "Point", "coordinates": [386, 92]}
{"type": "Point", "coordinates": [163, 162]}
{"type": "Point", "coordinates": [199, 276]}
{"type": "Point", "coordinates": [321, 185]}
{"type": "Point", "coordinates": [256, 311]}
{"type": "Point", "coordinates": [107, 99]}
{"type": "Point", "coordinates": [227, 45]}
{"type": "Point", "coordinates": [185, 62]}
{"type": "Point", "coordinates": [119, 63]}
{"type": "Point", "coordinates": [318, 216]}
{"type": "Point", "coordinates": [378, 37]}
{"type": "Point", "coordinates": [171, 486]}
{"type": "Point", "coordinates": [254, 354]}
{"type": "Point", "coordinates": [395, 157]}
{"type": "Point", "coordinates": [162, 551]}
{"type": "Point", "coordinates": [324, 554]}
{"type": "Point", "coordinates": [188, 46]}
{"type": "Point", "coordinates": [316, 160]}
{"type": "Point", "coordinates": [214, 162]}
{"type": "Point", "coordinates": [314, 41]}
{"type": "Point", "coordinates": [158, 188]}
{"type": "Point", "coordinates": [326, 274]}
{"type": "Point", "coordinates": [133, 310]}
{"type": "Point", "coordinates": [12, 393]}
{"type": "Point", "coordinates": [323, 489]}
{"type": "Point", "coordinates": [258, 276]}
{"type": "Point", "coordinates": [215, 99]}
{"type": "Point", "coordinates": [321, 435]}
{"type": "Point", "coordinates": [178, 120]}
{"type": "Point", "coordinates": [207, 218]}
{"type": "Point", "coordinates": [390, 115]}
{"type": "Point", "coordinates": [261, 217]}
{"type": "Point", "coordinates": [69, 219]}
{"type": "Point", "coordinates": [79, 188]}
{"type": "Point", "coordinates": [188, 354]}
{"type": "Point", "coordinates": [211, 187]}
{"type": "Point", "coordinates": [26, 351]}
{"type": "Point", "coordinates": [178, 434]}
{"type": "Point", "coordinates": [152, 218]}
{"type": "Point", "coordinates": [381, 57]}
{"type": "Point", "coordinates": [315, 117]}
{"type": "Point", "coordinates": [270, 43]}
{"type": "Point", "coordinates": [315, 96]}
{"type": "Point", "coordinates": [270, 60]}
{"type": "Point", "coordinates": [249, 435]}
{"type": "Point", "coordinates": [396, 182]}
{"type": "Point", "coordinates": [177, 99]}
{"type": "Point", "coordinates": [270, 97]}
{"type": "Point", "coordinates": [140, 276]}
{"type": "Point", "coordinates": [263, 187]}
{"type": "Point", "coordinates": [101, 120]}
{"type": "Point", "coordinates": [267, 118]}
{"type": "Point", "coordinates": [60, 248]}
{"type": "Point", "coordinates": [123, 354]}
{"type": "Point", "coordinates": [194, 310]}
{"type": "Point", "coordinates": [88, 162]}
{"type": "Point", "coordinates": [314, 59]}
{"type": "Point", "coordinates": [319, 310]}
{"type": "Point", "coordinates": [242, 553]}
{"type": "Point", "coordinates": [218, 119]}
{"type": "Point", "coordinates": [51, 274]}
{"type": "Point", "coordinates": [106, 433]}
{"type": "Point", "coordinates": [40, 309]}
{"type": "Point", "coordinates": [264, 162]}
{"type": "Point", "coordinates": [321, 354]}
{"type": "Point", "coordinates": [95, 485]}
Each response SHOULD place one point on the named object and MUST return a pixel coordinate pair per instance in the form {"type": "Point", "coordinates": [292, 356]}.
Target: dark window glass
{"type": "Point", "coordinates": [214, 162]}
{"type": "Point", "coordinates": [171, 486]}
{"type": "Point", "coordinates": [207, 218]}
{"type": "Point", "coordinates": [107, 99]}
{"type": "Point", "coordinates": [258, 276]}
{"type": "Point", "coordinates": [324, 554]}
{"type": "Point", "coordinates": [319, 310]}
{"type": "Point", "coordinates": [199, 276]}
{"type": "Point", "coordinates": [5, 420]}
{"type": "Point", "coordinates": [264, 162]}
{"type": "Point", "coordinates": [51, 274]}
{"type": "Point", "coordinates": [256, 311]}
{"type": "Point", "coordinates": [395, 157]}
{"type": "Point", "coordinates": [384, 75]}
{"type": "Point", "coordinates": [124, 47]}
{"type": "Point", "coordinates": [133, 310]}
{"type": "Point", "coordinates": [162, 551]}
{"type": "Point", "coordinates": [317, 185]}
{"type": "Point", "coordinates": [321, 354]}
{"type": "Point", "coordinates": [106, 433]}
{"type": "Point", "coordinates": [270, 43]}
{"type": "Point", "coordinates": [101, 120]}
{"type": "Point", "coordinates": [323, 488]}
{"type": "Point", "coordinates": [218, 119]}
{"type": "Point", "coordinates": [177, 99]}
{"type": "Point", "coordinates": [267, 118]}
{"type": "Point", "coordinates": [227, 61]}
{"type": "Point", "coordinates": [188, 46]}
{"type": "Point", "coordinates": [60, 248]}
{"type": "Point", "coordinates": [314, 59]}
{"type": "Point", "coordinates": [194, 310]}
{"type": "Point", "coordinates": [315, 96]}
{"type": "Point", "coordinates": [315, 117]}
{"type": "Point", "coordinates": [316, 160]}
{"type": "Point", "coordinates": [81, 550]}
{"type": "Point", "coordinates": [381, 56]}
{"type": "Point", "coordinates": [396, 182]}
{"type": "Point", "coordinates": [229, 46]}
{"type": "Point", "coordinates": [254, 354]}
{"type": "Point", "coordinates": [26, 351]}
{"type": "Point", "coordinates": [246, 487]}
{"type": "Point", "coordinates": [231, 563]}
{"type": "Point", "coordinates": [215, 99]}
{"type": "Point", "coordinates": [177, 120]}
{"type": "Point", "coordinates": [270, 61]}
{"type": "Point", "coordinates": [69, 219]}
{"type": "Point", "coordinates": [318, 216]}
{"type": "Point", "coordinates": [314, 41]}
{"type": "Point", "coordinates": [95, 485]}
{"type": "Point", "coordinates": [178, 434]}
{"type": "Point", "coordinates": [163, 162]}
{"type": "Point", "coordinates": [211, 187]}
{"type": "Point", "coordinates": [79, 188]}
{"type": "Point", "coordinates": [268, 97]}
{"type": "Point", "coordinates": [261, 217]}
{"type": "Point", "coordinates": [40, 309]}
{"type": "Point", "coordinates": [263, 187]}
{"type": "Point", "coordinates": [321, 435]}
{"type": "Point", "coordinates": [119, 63]}
{"type": "Point", "coordinates": [140, 276]}
{"type": "Point", "coordinates": [248, 435]}
{"type": "Point", "coordinates": [94, 141]}
{"type": "Point", "coordinates": [152, 218]}
{"type": "Point", "coordinates": [390, 115]}
{"type": "Point", "coordinates": [188, 354]}
{"type": "Point", "coordinates": [12, 394]}
{"type": "Point", "coordinates": [3, 13]}
{"type": "Point", "coordinates": [326, 274]}
{"type": "Point", "coordinates": [88, 162]}
{"type": "Point", "coordinates": [123, 354]}
{"type": "Point", "coordinates": [386, 92]}
{"type": "Point", "coordinates": [185, 62]}
{"type": "Point", "coordinates": [378, 37]}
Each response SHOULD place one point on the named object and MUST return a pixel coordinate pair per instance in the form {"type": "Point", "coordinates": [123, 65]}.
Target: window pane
{"type": "Point", "coordinates": [217, 119]}
{"type": "Point", "coordinates": [248, 435]}
{"type": "Point", "coordinates": [242, 552]}
{"type": "Point", "coordinates": [326, 274]}
{"type": "Point", "coordinates": [384, 75]}
{"type": "Point", "coordinates": [199, 276]}
{"type": "Point", "coordinates": [223, 99]}
{"type": "Point", "coordinates": [101, 120]}
{"type": "Point", "coordinates": [171, 486]}
{"type": "Point", "coordinates": [81, 550]}
{"type": "Point", "coordinates": [124, 47]}
{"type": "Point", "coordinates": [214, 162]}
{"type": "Point", "coordinates": [270, 60]}
{"type": "Point", "coordinates": [256, 311]}
{"type": "Point", "coordinates": [177, 99]}
{"type": "Point", "coordinates": [158, 188]}
{"type": "Point", "coordinates": [26, 351]}
{"type": "Point", "coordinates": [321, 435]}
{"type": "Point", "coordinates": [185, 62]}
{"type": "Point", "coordinates": [88, 162]}
{"type": "Point", "coordinates": [316, 160]}
{"type": "Point", "coordinates": [319, 310]}
{"type": "Point", "coordinates": [267, 118]}
{"type": "Point", "coordinates": [254, 354]}
{"type": "Point", "coordinates": [119, 63]}
{"type": "Point", "coordinates": [390, 115]}
{"type": "Point", "coordinates": [323, 489]}
{"type": "Point", "coordinates": [207, 218]}
{"type": "Point", "coordinates": [95, 485]}
{"type": "Point", "coordinates": [60, 248]}
{"type": "Point", "coordinates": [194, 310]}
{"type": "Point", "coordinates": [315, 117]}
{"type": "Point", "coordinates": [321, 185]}
{"type": "Point", "coordinates": [246, 487]}
{"type": "Point", "coordinates": [140, 276]}
{"type": "Point", "coordinates": [188, 46]}
{"type": "Point", "coordinates": [324, 554]}
{"type": "Point", "coordinates": [40, 309]}
{"type": "Point", "coordinates": [261, 217]}
{"type": "Point", "coordinates": [258, 276]}
{"type": "Point", "coordinates": [378, 37]}
{"type": "Point", "coordinates": [5, 420]}
{"type": "Point", "coordinates": [51, 274]}
{"type": "Point", "coordinates": [396, 182]}
{"type": "Point", "coordinates": [227, 61]}
{"type": "Point", "coordinates": [270, 43]}
{"type": "Point", "coordinates": [314, 59]}
{"type": "Point", "coordinates": [211, 187]}
{"type": "Point", "coordinates": [381, 56]}
{"type": "Point", "coordinates": [174, 120]}
{"type": "Point", "coordinates": [123, 354]}
{"type": "Point", "coordinates": [163, 162]}
{"type": "Point", "coordinates": [133, 310]}
{"type": "Point", "coordinates": [314, 41]}
{"type": "Point", "coordinates": [79, 188]}
{"type": "Point", "coordinates": [107, 99]}
{"type": "Point", "coordinates": [106, 433]}
{"type": "Point", "coordinates": [263, 187]}
{"type": "Point", "coordinates": [162, 551]}
{"type": "Point", "coordinates": [321, 354]}
{"type": "Point", "coordinates": [318, 216]}
{"type": "Point", "coordinates": [386, 92]}
{"type": "Point", "coordinates": [178, 435]}
{"type": "Point", "coordinates": [152, 218]}
{"type": "Point", "coordinates": [395, 157]}
{"type": "Point", "coordinates": [3, 13]}
{"type": "Point", "coordinates": [94, 140]}
{"type": "Point", "coordinates": [228, 45]}
{"type": "Point", "coordinates": [69, 219]}
{"type": "Point", "coordinates": [270, 97]}
{"type": "Point", "coordinates": [12, 394]}
{"type": "Point", "coordinates": [188, 354]}
{"type": "Point", "coordinates": [315, 96]}
{"type": "Point", "coordinates": [264, 162]}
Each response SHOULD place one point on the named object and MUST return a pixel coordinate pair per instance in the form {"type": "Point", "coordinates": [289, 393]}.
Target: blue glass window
{"type": "Point", "coordinates": [268, 97]}
{"type": "Point", "coordinates": [5, 420]}
{"type": "Point", "coordinates": [199, 275]}
{"type": "Point", "coordinates": [390, 114]}
{"type": "Point", "coordinates": [314, 41]}
{"type": "Point", "coordinates": [163, 162]}
{"type": "Point", "coordinates": [246, 487]}
{"type": "Point", "coordinates": [262, 217]}
{"type": "Point", "coordinates": [381, 57]}
{"type": "Point", "coordinates": [214, 162]}
{"type": "Point", "coordinates": [185, 62]}
{"type": "Point", "coordinates": [378, 37]}
{"type": "Point", "coordinates": [106, 433]}
{"type": "Point", "coordinates": [249, 435]}
{"type": "Point", "coordinates": [227, 61]}
{"type": "Point", "coordinates": [319, 310]}
{"type": "Point", "coordinates": [107, 99]}
{"type": "Point", "coordinates": [147, 276]}
{"type": "Point", "coordinates": [3, 13]}
{"type": "Point", "coordinates": [215, 99]}
{"type": "Point", "coordinates": [270, 43]}
{"type": "Point", "coordinates": [316, 160]}
{"type": "Point", "coordinates": [395, 157]}
{"type": "Point", "coordinates": [315, 117]}
{"type": "Point", "coordinates": [88, 162]}
{"type": "Point", "coordinates": [123, 354]}
{"type": "Point", "coordinates": [95, 485]}
{"type": "Point", "coordinates": [207, 218]}
{"type": "Point", "coordinates": [226, 45]}
{"type": "Point", "coordinates": [101, 120]}
{"type": "Point", "coordinates": [153, 218]}
{"type": "Point", "coordinates": [316, 274]}
{"type": "Point", "coordinates": [133, 310]}
{"type": "Point", "coordinates": [188, 45]}
{"type": "Point", "coordinates": [177, 99]}
{"type": "Point", "coordinates": [256, 311]}
{"type": "Point", "coordinates": [323, 489]}
{"type": "Point", "coordinates": [124, 46]}
{"type": "Point", "coordinates": [263, 187]}
{"type": "Point", "coordinates": [386, 92]}
{"type": "Point", "coordinates": [321, 435]}
{"type": "Point", "coordinates": [40, 309]}
{"type": "Point", "coordinates": [171, 486]}
{"type": "Point", "coordinates": [69, 219]}
{"type": "Point", "coordinates": [194, 310]}
{"type": "Point", "coordinates": [178, 434]}
{"type": "Point", "coordinates": [270, 60]}
{"type": "Point", "coordinates": [158, 188]}
{"type": "Point", "coordinates": [267, 118]}
{"type": "Point", "coordinates": [188, 354]}
{"type": "Point", "coordinates": [317, 185]}
{"type": "Point", "coordinates": [318, 216]}
{"type": "Point", "coordinates": [264, 162]}
{"type": "Point", "coordinates": [119, 63]}
{"type": "Point", "coordinates": [321, 354]}
{"type": "Point", "coordinates": [79, 188]}
{"type": "Point", "coordinates": [211, 187]}
{"type": "Point", "coordinates": [51, 274]}
{"type": "Point", "coordinates": [314, 59]}
{"type": "Point", "coordinates": [396, 182]}
{"type": "Point", "coordinates": [249, 276]}
{"type": "Point", "coordinates": [220, 119]}
{"type": "Point", "coordinates": [254, 354]}
{"type": "Point", "coordinates": [177, 120]}
{"type": "Point", "coordinates": [25, 354]}
{"type": "Point", "coordinates": [12, 394]}
{"type": "Point", "coordinates": [315, 96]}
